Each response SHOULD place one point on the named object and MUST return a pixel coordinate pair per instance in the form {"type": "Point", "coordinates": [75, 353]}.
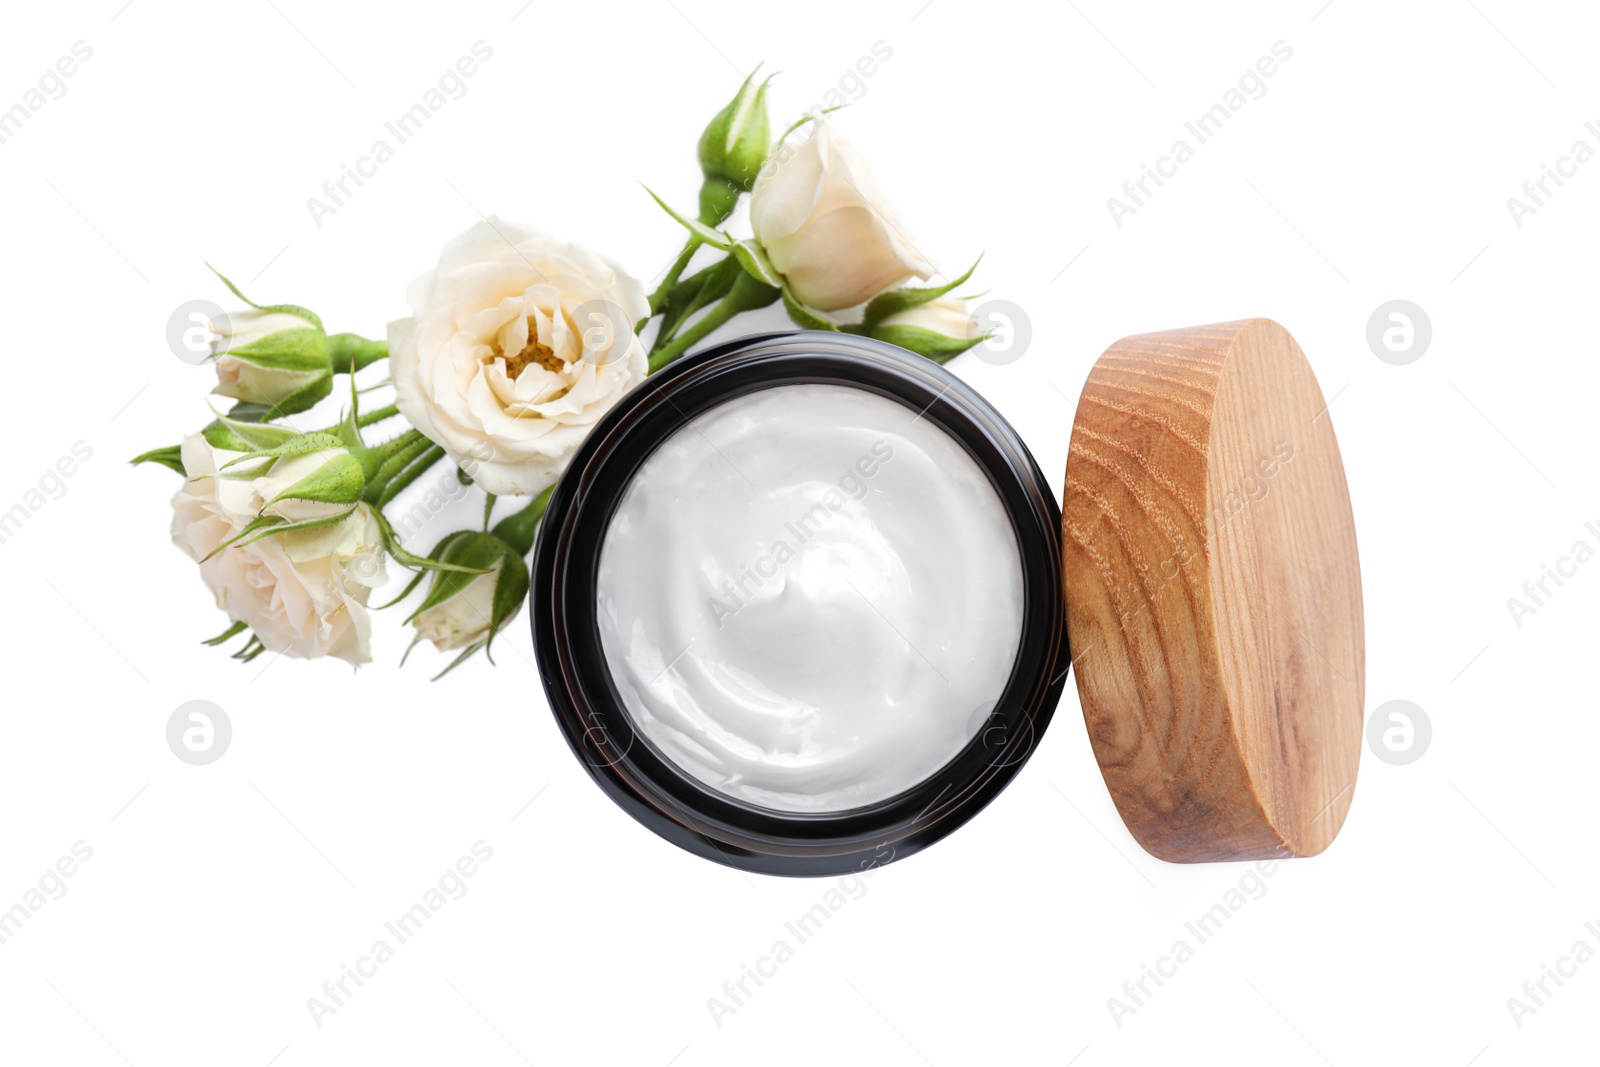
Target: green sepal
{"type": "Point", "coordinates": [517, 529]}
{"type": "Point", "coordinates": [466, 654]}
{"type": "Point", "coordinates": [226, 635]}
{"type": "Point", "coordinates": [339, 480]}
{"type": "Point", "coordinates": [753, 258]}
{"type": "Point", "coordinates": [802, 120]}
{"type": "Point", "coordinates": [509, 593]}
{"type": "Point", "coordinates": [305, 398]}
{"type": "Point", "coordinates": [235, 435]}
{"type": "Point", "coordinates": [291, 350]}
{"type": "Point", "coordinates": [802, 315]}
{"type": "Point", "coordinates": [171, 457]}
{"type": "Point", "coordinates": [936, 346]}
{"type": "Point", "coordinates": [419, 575]}
{"type": "Point", "coordinates": [749, 293]}
{"type": "Point", "coordinates": [297, 445]}
{"type": "Point", "coordinates": [484, 551]}
{"type": "Point", "coordinates": [405, 557]}
{"type": "Point", "coordinates": [287, 309]}
{"type": "Point", "coordinates": [473, 554]}
{"type": "Point", "coordinates": [248, 411]}
{"type": "Point", "coordinates": [267, 525]}
{"type": "Point", "coordinates": [895, 301]}
{"type": "Point", "coordinates": [714, 238]}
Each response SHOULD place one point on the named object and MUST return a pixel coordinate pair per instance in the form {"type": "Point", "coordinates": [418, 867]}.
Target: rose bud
{"type": "Point", "coordinates": [940, 329]}
{"type": "Point", "coordinates": [827, 228]}
{"type": "Point", "coordinates": [733, 149]}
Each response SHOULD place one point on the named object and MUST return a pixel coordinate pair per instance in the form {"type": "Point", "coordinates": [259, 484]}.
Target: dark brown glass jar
{"type": "Point", "coordinates": [578, 681]}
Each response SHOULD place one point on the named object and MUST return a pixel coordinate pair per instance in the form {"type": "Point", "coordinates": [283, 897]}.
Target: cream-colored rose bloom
{"type": "Point", "coordinates": [304, 593]}
{"type": "Point", "coordinates": [516, 345]}
{"type": "Point", "coordinates": [826, 226]}
{"type": "Point", "coordinates": [464, 619]}
{"type": "Point", "coordinates": [947, 315]}
{"type": "Point", "coordinates": [243, 380]}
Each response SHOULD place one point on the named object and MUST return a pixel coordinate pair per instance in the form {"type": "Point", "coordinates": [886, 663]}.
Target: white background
{"type": "Point", "coordinates": [220, 898]}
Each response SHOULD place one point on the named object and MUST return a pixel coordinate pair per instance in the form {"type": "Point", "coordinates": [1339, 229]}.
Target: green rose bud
{"type": "Point", "coordinates": [275, 358]}
{"type": "Point", "coordinates": [733, 150]}
{"type": "Point", "coordinates": [940, 329]}
{"type": "Point", "coordinates": [279, 356]}
{"type": "Point", "coordinates": [464, 611]}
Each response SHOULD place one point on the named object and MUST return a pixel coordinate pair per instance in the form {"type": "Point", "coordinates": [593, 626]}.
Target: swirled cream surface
{"type": "Point", "coordinates": [810, 598]}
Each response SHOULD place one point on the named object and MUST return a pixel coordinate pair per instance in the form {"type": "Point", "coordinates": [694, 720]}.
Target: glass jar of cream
{"type": "Point", "coordinates": [797, 603]}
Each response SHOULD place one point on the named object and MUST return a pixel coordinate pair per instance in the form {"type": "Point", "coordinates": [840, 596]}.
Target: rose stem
{"type": "Point", "coordinates": [410, 474]}
{"type": "Point", "coordinates": [378, 416]}
{"type": "Point", "coordinates": [689, 248]}
{"type": "Point", "coordinates": [747, 295]}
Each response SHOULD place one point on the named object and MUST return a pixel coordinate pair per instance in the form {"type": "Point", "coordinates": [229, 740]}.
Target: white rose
{"type": "Point", "coordinates": [243, 379]}
{"type": "Point", "coordinates": [947, 316]}
{"type": "Point", "coordinates": [517, 344]}
{"type": "Point", "coordinates": [303, 593]}
{"type": "Point", "coordinates": [827, 228]}
{"type": "Point", "coordinates": [464, 619]}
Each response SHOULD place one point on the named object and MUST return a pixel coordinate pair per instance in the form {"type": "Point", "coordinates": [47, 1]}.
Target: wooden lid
{"type": "Point", "coordinates": [1213, 593]}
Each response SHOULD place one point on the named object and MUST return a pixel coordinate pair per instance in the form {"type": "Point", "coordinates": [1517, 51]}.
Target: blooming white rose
{"type": "Point", "coordinates": [827, 228]}
{"type": "Point", "coordinates": [266, 357]}
{"type": "Point", "coordinates": [302, 593]}
{"type": "Point", "coordinates": [517, 342]}
{"type": "Point", "coordinates": [465, 618]}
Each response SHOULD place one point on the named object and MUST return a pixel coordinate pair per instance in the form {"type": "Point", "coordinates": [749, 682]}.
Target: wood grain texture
{"type": "Point", "coordinates": [1214, 593]}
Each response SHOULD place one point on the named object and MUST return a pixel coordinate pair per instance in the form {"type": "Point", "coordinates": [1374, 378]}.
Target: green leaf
{"type": "Point", "coordinates": [171, 456]}
{"type": "Point", "coordinates": [936, 346]}
{"type": "Point", "coordinates": [895, 301]}
{"type": "Point", "coordinates": [802, 315]}
{"type": "Point", "coordinates": [694, 226]}
{"type": "Point", "coordinates": [753, 258]}
{"type": "Point", "coordinates": [287, 309]}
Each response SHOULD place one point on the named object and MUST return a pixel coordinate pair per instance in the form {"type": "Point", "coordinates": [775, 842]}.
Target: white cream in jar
{"type": "Point", "coordinates": [810, 598]}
